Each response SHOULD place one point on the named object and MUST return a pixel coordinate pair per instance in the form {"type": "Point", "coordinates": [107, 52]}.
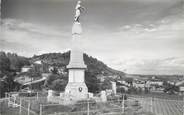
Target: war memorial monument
{"type": "Point", "coordinates": [76, 87]}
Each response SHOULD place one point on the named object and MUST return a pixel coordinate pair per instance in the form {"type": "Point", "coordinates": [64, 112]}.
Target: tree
{"type": "Point", "coordinates": [92, 82]}
{"type": "Point", "coordinates": [2, 89]}
{"type": "Point", "coordinates": [34, 72]}
{"type": "Point", "coordinates": [50, 79]}
{"type": "Point", "coordinates": [106, 84]}
{"type": "Point", "coordinates": [170, 88]}
{"type": "Point", "coordinates": [132, 90]}
{"type": "Point", "coordinates": [120, 90]}
{"type": "Point", "coordinates": [147, 90]}
{"type": "Point", "coordinates": [54, 70]}
{"type": "Point", "coordinates": [4, 63]}
{"type": "Point", "coordinates": [7, 84]}
{"type": "Point", "coordinates": [17, 62]}
{"type": "Point", "coordinates": [55, 82]}
{"type": "Point", "coordinates": [129, 80]}
{"type": "Point", "coordinates": [58, 85]}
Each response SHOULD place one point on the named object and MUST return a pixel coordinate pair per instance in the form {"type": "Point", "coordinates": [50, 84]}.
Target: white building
{"type": "Point", "coordinates": [139, 85]}
{"type": "Point", "coordinates": [181, 86]}
{"type": "Point", "coordinates": [159, 83]}
{"type": "Point", "coordinates": [38, 62]}
{"type": "Point", "coordinates": [114, 89]}
{"type": "Point", "coordinates": [124, 82]}
{"type": "Point", "coordinates": [25, 68]}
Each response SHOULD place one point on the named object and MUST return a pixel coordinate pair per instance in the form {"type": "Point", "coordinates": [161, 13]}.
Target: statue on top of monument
{"type": "Point", "coordinates": [78, 10]}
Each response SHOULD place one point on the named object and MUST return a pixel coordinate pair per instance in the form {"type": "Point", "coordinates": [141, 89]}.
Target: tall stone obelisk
{"type": "Point", "coordinates": [76, 87]}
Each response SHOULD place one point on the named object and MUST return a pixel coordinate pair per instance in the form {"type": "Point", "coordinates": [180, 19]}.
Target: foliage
{"type": "Point", "coordinates": [4, 63]}
{"type": "Point", "coordinates": [59, 85]}
{"type": "Point", "coordinates": [132, 90]}
{"type": "Point", "coordinates": [120, 90]}
{"type": "Point", "coordinates": [54, 71]}
{"type": "Point", "coordinates": [50, 79]}
{"type": "Point", "coordinates": [106, 84]}
{"type": "Point", "coordinates": [9, 65]}
{"type": "Point", "coordinates": [54, 59]}
{"type": "Point", "coordinates": [17, 62]}
{"type": "Point", "coordinates": [55, 82]}
{"type": "Point", "coordinates": [94, 66]}
{"type": "Point", "coordinates": [2, 89]}
{"type": "Point", "coordinates": [35, 71]}
{"type": "Point", "coordinates": [7, 84]}
{"type": "Point", "coordinates": [92, 82]}
{"type": "Point", "coordinates": [129, 80]}
{"type": "Point", "coordinates": [169, 88]}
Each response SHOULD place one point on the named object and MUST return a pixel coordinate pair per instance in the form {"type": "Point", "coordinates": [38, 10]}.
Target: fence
{"type": "Point", "coordinates": [88, 107]}
{"type": "Point", "coordinates": [39, 106]}
{"type": "Point", "coordinates": [3, 105]}
{"type": "Point", "coordinates": [21, 103]}
{"type": "Point", "coordinates": [22, 106]}
{"type": "Point", "coordinates": [134, 105]}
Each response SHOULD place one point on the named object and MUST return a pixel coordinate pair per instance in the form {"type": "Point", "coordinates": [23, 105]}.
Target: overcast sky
{"type": "Point", "coordinates": [135, 36]}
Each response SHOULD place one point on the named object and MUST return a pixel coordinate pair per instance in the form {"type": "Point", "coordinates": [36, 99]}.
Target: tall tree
{"type": "Point", "coordinates": [4, 63]}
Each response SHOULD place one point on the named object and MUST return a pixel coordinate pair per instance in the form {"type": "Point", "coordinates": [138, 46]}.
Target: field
{"type": "Point", "coordinates": [160, 106]}
{"type": "Point", "coordinates": [165, 107]}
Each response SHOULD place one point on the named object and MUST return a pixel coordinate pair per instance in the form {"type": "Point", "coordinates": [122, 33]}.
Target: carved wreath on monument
{"type": "Point", "coordinates": [80, 89]}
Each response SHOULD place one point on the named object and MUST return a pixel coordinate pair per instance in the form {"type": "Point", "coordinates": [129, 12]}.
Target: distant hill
{"type": "Point", "coordinates": [173, 78]}
{"type": "Point", "coordinates": [95, 69]}
{"type": "Point", "coordinates": [93, 65]}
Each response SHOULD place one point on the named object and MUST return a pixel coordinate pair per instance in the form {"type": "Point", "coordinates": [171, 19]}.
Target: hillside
{"type": "Point", "coordinates": [11, 64]}
{"type": "Point", "coordinates": [93, 65]}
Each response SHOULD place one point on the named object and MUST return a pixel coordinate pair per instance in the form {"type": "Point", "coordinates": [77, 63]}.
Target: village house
{"type": "Point", "coordinates": [155, 85]}
{"type": "Point", "coordinates": [181, 89]}
{"type": "Point", "coordinates": [38, 62]}
{"type": "Point", "coordinates": [180, 84]}
{"type": "Point", "coordinates": [25, 68]}
{"type": "Point", "coordinates": [139, 85]}
{"type": "Point", "coordinates": [156, 82]}
{"type": "Point", "coordinates": [123, 82]}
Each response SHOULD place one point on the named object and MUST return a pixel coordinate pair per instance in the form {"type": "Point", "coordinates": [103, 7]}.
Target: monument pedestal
{"type": "Point", "coordinates": [77, 91]}
{"type": "Point", "coordinates": [76, 88]}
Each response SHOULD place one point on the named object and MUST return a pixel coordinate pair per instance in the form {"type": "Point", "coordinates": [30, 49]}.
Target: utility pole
{"type": "Point", "coordinates": [20, 107]}
{"type": "Point", "coordinates": [0, 11]}
{"type": "Point", "coordinates": [40, 109]}
{"type": "Point", "coordinates": [183, 104]}
{"type": "Point", "coordinates": [152, 104]}
{"type": "Point", "coordinates": [29, 105]}
{"type": "Point", "coordinates": [88, 107]}
{"type": "Point", "coordinates": [123, 104]}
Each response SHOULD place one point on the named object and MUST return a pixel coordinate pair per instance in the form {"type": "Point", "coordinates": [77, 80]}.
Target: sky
{"type": "Point", "coordinates": [134, 36]}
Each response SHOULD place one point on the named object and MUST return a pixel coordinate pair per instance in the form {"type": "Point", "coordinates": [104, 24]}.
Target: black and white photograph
{"type": "Point", "coordinates": [91, 57]}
